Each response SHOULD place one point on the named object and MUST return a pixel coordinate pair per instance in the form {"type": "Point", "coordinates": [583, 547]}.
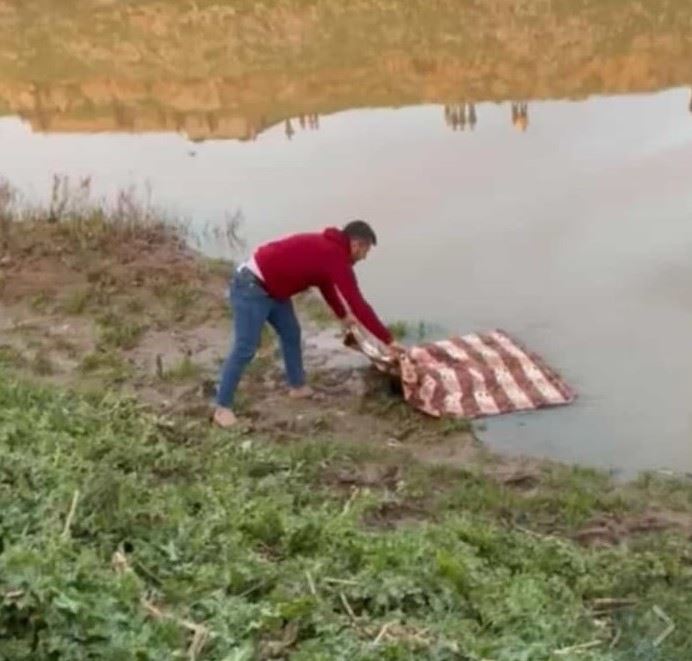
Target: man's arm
{"type": "Point", "coordinates": [332, 298]}
{"type": "Point", "coordinates": [346, 284]}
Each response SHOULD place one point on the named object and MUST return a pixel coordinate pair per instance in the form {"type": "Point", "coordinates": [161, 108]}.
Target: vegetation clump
{"type": "Point", "coordinates": [128, 535]}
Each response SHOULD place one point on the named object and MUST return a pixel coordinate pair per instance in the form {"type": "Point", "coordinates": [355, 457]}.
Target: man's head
{"type": "Point", "coordinates": [361, 238]}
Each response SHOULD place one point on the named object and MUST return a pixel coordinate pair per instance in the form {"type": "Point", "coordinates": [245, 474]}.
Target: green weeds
{"type": "Point", "coordinates": [84, 223]}
{"type": "Point", "coordinates": [404, 330]}
{"type": "Point", "coordinates": [239, 536]}
{"type": "Point", "coordinates": [179, 299]}
{"type": "Point", "coordinates": [108, 365]}
{"type": "Point", "coordinates": [118, 333]}
{"type": "Point", "coordinates": [399, 329]}
{"type": "Point", "coordinates": [42, 364]}
{"type": "Point", "coordinates": [185, 370]}
{"type": "Point", "coordinates": [40, 302]}
{"type": "Point", "coordinates": [11, 357]}
{"type": "Point", "coordinates": [77, 301]}
{"type": "Point", "coordinates": [220, 267]}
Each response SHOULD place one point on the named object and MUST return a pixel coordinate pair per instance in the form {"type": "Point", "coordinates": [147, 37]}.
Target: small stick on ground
{"type": "Point", "coordinates": [578, 648]}
{"type": "Point", "coordinates": [348, 608]}
{"type": "Point", "coordinates": [70, 515]}
{"type": "Point", "coordinates": [349, 502]}
{"type": "Point", "coordinates": [311, 584]}
{"type": "Point", "coordinates": [382, 632]}
{"type": "Point", "coordinates": [200, 634]}
{"type": "Point", "coordinates": [611, 603]}
{"type": "Point", "coordinates": [671, 625]}
{"type": "Point", "coordinates": [340, 581]}
{"type": "Point", "coordinates": [537, 535]}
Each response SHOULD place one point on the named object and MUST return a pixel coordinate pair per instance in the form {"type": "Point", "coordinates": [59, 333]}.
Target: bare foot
{"type": "Point", "coordinates": [224, 418]}
{"type": "Point", "coordinates": [304, 392]}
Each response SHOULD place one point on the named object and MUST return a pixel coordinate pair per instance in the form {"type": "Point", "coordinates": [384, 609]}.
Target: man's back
{"type": "Point", "coordinates": [295, 263]}
{"type": "Point", "coordinates": [322, 260]}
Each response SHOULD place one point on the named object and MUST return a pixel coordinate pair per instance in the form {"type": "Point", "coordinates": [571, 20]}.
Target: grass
{"type": "Point", "coordinates": [667, 490]}
{"type": "Point", "coordinates": [110, 514]}
{"type": "Point", "coordinates": [119, 333]}
{"type": "Point", "coordinates": [64, 345]}
{"type": "Point", "coordinates": [83, 221]}
{"type": "Point", "coordinates": [108, 365]}
{"type": "Point", "coordinates": [455, 426]}
{"type": "Point", "coordinates": [77, 301]}
{"type": "Point", "coordinates": [185, 370]}
{"type": "Point", "coordinates": [40, 302]}
{"type": "Point", "coordinates": [399, 329]}
{"type": "Point", "coordinates": [42, 363]}
{"type": "Point", "coordinates": [404, 330]}
{"type": "Point", "coordinates": [11, 357]}
{"type": "Point", "coordinates": [182, 299]}
{"type": "Point", "coordinates": [184, 304]}
{"type": "Point", "coordinates": [218, 266]}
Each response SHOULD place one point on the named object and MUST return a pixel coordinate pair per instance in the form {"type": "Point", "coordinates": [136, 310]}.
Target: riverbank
{"type": "Point", "coordinates": [344, 526]}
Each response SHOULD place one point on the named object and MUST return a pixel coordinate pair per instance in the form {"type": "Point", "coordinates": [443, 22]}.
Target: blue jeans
{"type": "Point", "coordinates": [252, 307]}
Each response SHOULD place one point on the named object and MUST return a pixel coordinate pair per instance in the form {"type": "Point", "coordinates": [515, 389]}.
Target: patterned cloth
{"type": "Point", "coordinates": [471, 376]}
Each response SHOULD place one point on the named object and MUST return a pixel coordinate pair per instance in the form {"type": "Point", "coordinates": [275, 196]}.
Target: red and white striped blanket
{"type": "Point", "coordinates": [479, 374]}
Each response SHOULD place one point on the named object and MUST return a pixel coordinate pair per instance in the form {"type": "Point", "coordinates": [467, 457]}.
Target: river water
{"type": "Point", "coordinates": [568, 223]}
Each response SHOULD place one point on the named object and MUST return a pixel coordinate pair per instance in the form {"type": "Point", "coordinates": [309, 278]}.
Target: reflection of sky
{"type": "Point", "coordinates": [576, 236]}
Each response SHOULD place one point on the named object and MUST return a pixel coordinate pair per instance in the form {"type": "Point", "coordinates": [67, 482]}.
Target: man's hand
{"type": "Point", "coordinates": [396, 350]}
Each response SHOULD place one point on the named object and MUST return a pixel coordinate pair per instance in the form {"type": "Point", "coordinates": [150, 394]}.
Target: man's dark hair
{"type": "Point", "coordinates": [359, 229]}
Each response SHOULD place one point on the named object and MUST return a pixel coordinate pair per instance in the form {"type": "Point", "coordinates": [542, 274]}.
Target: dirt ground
{"type": "Point", "coordinates": [145, 315]}
{"type": "Point", "coordinates": [153, 319]}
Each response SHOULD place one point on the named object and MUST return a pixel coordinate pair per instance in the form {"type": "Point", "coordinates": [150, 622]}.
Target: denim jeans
{"type": "Point", "coordinates": [252, 307]}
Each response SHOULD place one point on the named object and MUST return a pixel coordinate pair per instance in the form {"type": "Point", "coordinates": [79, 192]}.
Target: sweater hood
{"type": "Point", "coordinates": [338, 237]}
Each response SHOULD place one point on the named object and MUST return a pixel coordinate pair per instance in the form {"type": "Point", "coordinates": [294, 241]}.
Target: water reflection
{"type": "Point", "coordinates": [520, 115]}
{"type": "Point", "coordinates": [458, 115]}
{"type": "Point", "coordinates": [289, 129]}
{"type": "Point", "coordinates": [143, 108]}
{"type": "Point", "coordinates": [66, 117]}
{"type": "Point", "coordinates": [310, 122]}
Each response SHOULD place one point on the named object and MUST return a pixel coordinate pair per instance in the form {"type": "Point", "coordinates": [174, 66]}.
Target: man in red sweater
{"type": "Point", "coordinates": [262, 289]}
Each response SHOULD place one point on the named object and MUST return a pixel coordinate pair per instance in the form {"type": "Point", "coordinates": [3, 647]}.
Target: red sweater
{"type": "Point", "coordinates": [298, 262]}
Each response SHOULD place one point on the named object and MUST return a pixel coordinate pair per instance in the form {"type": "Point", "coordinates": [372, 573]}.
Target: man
{"type": "Point", "coordinates": [262, 289]}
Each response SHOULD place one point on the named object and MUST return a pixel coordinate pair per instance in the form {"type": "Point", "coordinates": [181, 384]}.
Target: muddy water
{"type": "Point", "coordinates": [566, 222]}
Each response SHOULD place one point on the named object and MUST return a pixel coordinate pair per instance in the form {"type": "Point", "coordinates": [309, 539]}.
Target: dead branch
{"type": "Point", "coordinates": [70, 515]}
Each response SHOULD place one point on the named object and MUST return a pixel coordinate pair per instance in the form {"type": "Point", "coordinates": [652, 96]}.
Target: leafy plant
{"type": "Point", "coordinates": [126, 535]}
